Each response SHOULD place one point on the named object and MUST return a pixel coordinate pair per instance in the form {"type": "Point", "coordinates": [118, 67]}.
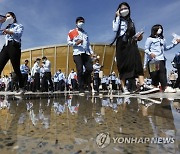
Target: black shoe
{"type": "Point", "coordinates": [146, 90]}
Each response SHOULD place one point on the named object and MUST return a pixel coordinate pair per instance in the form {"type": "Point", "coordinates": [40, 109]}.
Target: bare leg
{"type": "Point", "coordinates": [122, 83]}
{"type": "Point", "coordinates": [141, 80]}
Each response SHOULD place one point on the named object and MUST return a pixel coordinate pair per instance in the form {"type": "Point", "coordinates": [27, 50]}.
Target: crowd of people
{"type": "Point", "coordinates": [35, 79]}
{"type": "Point", "coordinates": [38, 82]}
{"type": "Point", "coordinates": [129, 64]}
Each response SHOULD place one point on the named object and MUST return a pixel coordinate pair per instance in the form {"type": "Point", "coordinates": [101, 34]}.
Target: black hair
{"type": "Point", "coordinates": [154, 30]}
{"type": "Point", "coordinates": [2, 16]}
{"type": "Point", "coordinates": [44, 57]}
{"type": "Point", "coordinates": [126, 4]}
{"type": "Point", "coordinates": [79, 18]}
{"type": "Point", "coordinates": [37, 59]}
{"type": "Point", "coordinates": [13, 15]}
{"type": "Point", "coordinates": [130, 26]}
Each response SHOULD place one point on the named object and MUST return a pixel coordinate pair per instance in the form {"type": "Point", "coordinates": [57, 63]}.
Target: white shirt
{"type": "Point", "coordinates": [35, 68]}
{"type": "Point", "coordinates": [47, 66]}
{"type": "Point", "coordinates": [157, 46]}
{"type": "Point", "coordinates": [85, 47]}
{"type": "Point", "coordinates": [61, 76]}
{"type": "Point", "coordinates": [96, 68]}
{"type": "Point", "coordinates": [123, 26]}
{"type": "Point", "coordinates": [72, 75]}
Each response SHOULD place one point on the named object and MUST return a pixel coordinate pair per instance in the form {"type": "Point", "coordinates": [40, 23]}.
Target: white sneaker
{"type": "Point", "coordinates": [125, 91]}
{"type": "Point", "coordinates": [169, 90]}
{"type": "Point", "coordinates": [177, 89]}
{"type": "Point", "coordinates": [144, 89]}
{"type": "Point", "coordinates": [20, 92]}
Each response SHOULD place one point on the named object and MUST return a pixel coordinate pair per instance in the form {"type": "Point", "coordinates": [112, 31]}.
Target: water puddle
{"type": "Point", "coordinates": [89, 124]}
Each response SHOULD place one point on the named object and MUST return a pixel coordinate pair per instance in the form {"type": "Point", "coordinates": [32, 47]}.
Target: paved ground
{"type": "Point", "coordinates": [53, 123]}
{"type": "Point", "coordinates": [103, 93]}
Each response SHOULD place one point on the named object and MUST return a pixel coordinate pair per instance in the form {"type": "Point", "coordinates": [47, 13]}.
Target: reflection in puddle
{"type": "Point", "coordinates": [70, 124]}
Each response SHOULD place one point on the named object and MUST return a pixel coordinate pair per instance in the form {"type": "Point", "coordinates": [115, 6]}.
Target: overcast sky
{"type": "Point", "coordinates": [47, 22]}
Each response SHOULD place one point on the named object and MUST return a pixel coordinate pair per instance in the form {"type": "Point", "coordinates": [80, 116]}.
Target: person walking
{"type": "Point", "coordinates": [12, 48]}
{"type": "Point", "coordinates": [155, 46]}
{"type": "Point", "coordinates": [79, 40]}
{"type": "Point", "coordinates": [176, 61]}
{"type": "Point", "coordinates": [35, 73]}
{"type": "Point", "coordinates": [97, 81]}
{"type": "Point", "coordinates": [47, 74]}
{"type": "Point", "coordinates": [25, 71]}
{"type": "Point", "coordinates": [56, 81]}
{"type": "Point", "coordinates": [127, 54]}
{"type": "Point", "coordinates": [72, 78]}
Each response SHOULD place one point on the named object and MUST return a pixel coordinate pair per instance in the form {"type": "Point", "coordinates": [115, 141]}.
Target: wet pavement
{"type": "Point", "coordinates": [101, 123]}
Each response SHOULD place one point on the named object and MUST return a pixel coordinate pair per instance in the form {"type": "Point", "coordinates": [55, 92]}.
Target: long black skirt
{"type": "Point", "coordinates": [128, 59]}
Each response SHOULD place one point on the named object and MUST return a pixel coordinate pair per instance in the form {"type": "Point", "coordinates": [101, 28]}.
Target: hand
{"type": "Point", "coordinates": [152, 55]}
{"type": "Point", "coordinates": [140, 36]}
{"type": "Point", "coordinates": [5, 31]}
{"type": "Point", "coordinates": [178, 40]}
{"type": "Point", "coordinates": [79, 42]}
{"type": "Point", "coordinates": [117, 13]}
{"type": "Point", "coordinates": [2, 20]}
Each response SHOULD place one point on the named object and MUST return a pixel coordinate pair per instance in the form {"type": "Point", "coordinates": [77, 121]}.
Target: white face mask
{"type": "Point", "coordinates": [124, 12]}
{"type": "Point", "coordinates": [9, 20]}
{"type": "Point", "coordinates": [159, 31]}
{"type": "Point", "coordinates": [80, 24]}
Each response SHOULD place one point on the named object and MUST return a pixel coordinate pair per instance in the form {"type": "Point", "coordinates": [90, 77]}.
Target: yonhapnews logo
{"type": "Point", "coordinates": [104, 139]}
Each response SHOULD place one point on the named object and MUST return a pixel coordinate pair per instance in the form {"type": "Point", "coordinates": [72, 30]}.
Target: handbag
{"type": "Point", "coordinates": [154, 65]}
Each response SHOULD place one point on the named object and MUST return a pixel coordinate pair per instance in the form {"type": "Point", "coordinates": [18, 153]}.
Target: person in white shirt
{"type": "Point", "coordinates": [72, 78]}
{"type": "Point", "coordinates": [47, 73]}
{"type": "Point", "coordinates": [79, 39]}
{"type": "Point", "coordinates": [35, 73]}
{"type": "Point", "coordinates": [112, 79]}
{"type": "Point", "coordinates": [127, 54]}
{"type": "Point", "coordinates": [25, 71]}
{"type": "Point", "coordinates": [155, 46]}
{"type": "Point", "coordinates": [97, 81]}
{"type": "Point", "coordinates": [61, 79]}
{"type": "Point", "coordinates": [103, 82]}
{"type": "Point", "coordinates": [56, 81]}
{"type": "Point", "coordinates": [12, 48]}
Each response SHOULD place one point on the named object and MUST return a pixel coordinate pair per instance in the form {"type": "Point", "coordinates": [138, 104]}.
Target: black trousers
{"type": "Point", "coordinates": [160, 75]}
{"type": "Point", "coordinates": [25, 78]}
{"type": "Point", "coordinates": [97, 81]}
{"type": "Point", "coordinates": [12, 52]}
{"type": "Point", "coordinates": [104, 86]}
{"type": "Point", "coordinates": [177, 83]}
{"type": "Point", "coordinates": [56, 86]}
{"type": "Point", "coordinates": [61, 85]}
{"type": "Point", "coordinates": [114, 86]}
{"type": "Point", "coordinates": [36, 83]}
{"type": "Point", "coordinates": [74, 84]}
{"type": "Point", "coordinates": [83, 77]}
{"type": "Point", "coordinates": [46, 78]}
